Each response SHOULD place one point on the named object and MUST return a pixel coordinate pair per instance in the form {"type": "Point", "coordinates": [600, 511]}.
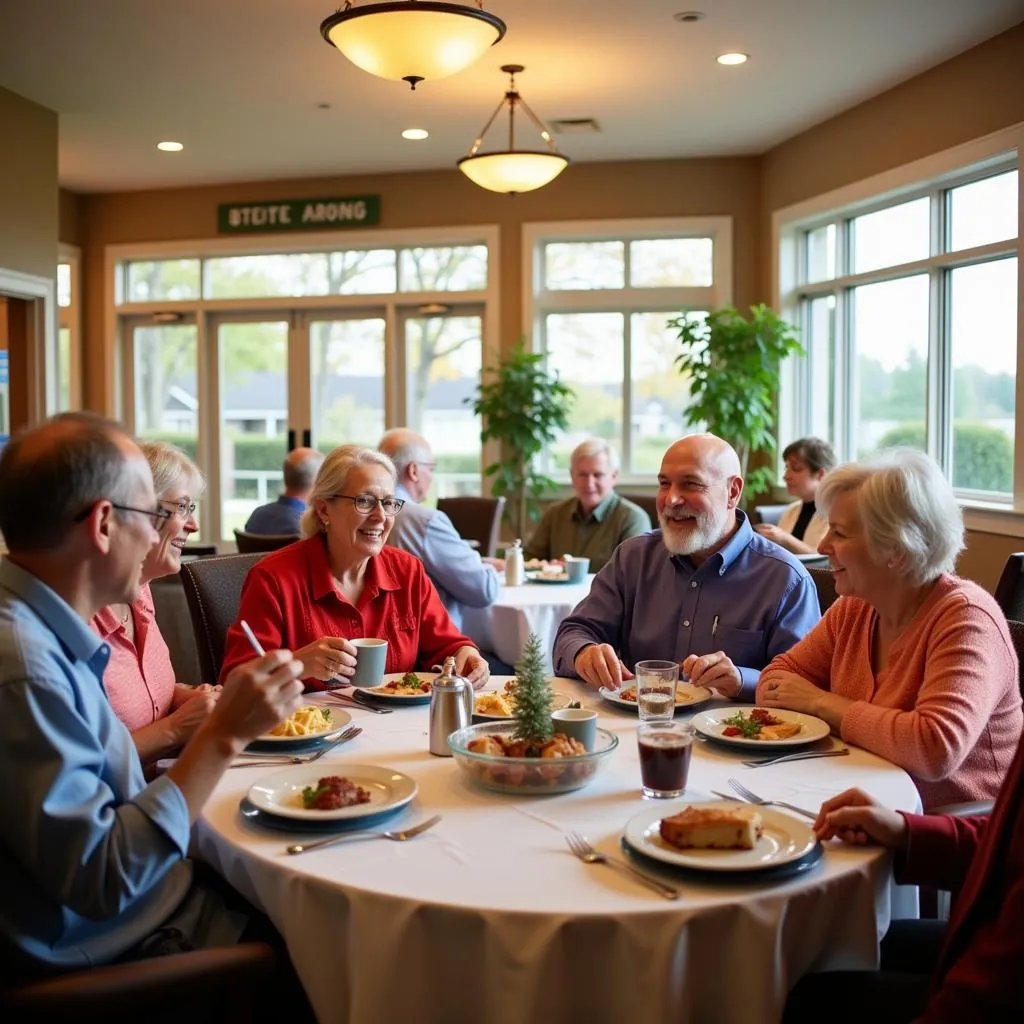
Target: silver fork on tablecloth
{"type": "Point", "coordinates": [271, 759]}
{"type": "Point", "coordinates": [395, 835]}
{"type": "Point", "coordinates": [586, 853]}
{"type": "Point", "coordinates": [753, 798]}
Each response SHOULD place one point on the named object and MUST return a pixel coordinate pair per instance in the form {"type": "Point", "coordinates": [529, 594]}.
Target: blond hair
{"type": "Point", "coordinates": [172, 469]}
{"type": "Point", "coordinates": [332, 479]}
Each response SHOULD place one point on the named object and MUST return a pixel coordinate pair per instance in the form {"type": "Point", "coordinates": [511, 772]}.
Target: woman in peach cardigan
{"type": "Point", "coordinates": [911, 662]}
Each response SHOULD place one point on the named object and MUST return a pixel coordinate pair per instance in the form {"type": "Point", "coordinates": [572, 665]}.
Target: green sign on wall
{"type": "Point", "coordinates": [298, 215]}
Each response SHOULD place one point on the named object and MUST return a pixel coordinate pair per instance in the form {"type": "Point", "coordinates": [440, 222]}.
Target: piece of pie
{"type": "Point", "coordinates": [716, 828]}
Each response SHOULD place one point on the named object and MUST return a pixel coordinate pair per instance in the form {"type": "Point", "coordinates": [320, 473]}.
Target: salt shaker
{"type": "Point", "coordinates": [451, 707]}
{"type": "Point", "coordinates": [514, 574]}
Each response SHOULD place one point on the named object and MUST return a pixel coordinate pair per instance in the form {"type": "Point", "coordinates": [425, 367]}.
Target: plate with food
{"type": "Point", "coordinates": [403, 688]}
{"type": "Point", "coordinates": [719, 836]}
{"type": "Point", "coordinates": [555, 575]}
{"type": "Point", "coordinates": [495, 705]}
{"type": "Point", "coordinates": [306, 725]}
{"type": "Point", "coordinates": [687, 695]}
{"type": "Point", "coordinates": [316, 792]}
{"type": "Point", "coordinates": [750, 726]}
{"type": "Point", "coordinates": [543, 565]}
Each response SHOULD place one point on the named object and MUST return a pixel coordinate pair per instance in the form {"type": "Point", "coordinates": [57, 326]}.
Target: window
{"type": "Point", "coordinates": [908, 310]}
{"type": "Point", "coordinates": [601, 299]}
{"type": "Point", "coordinates": [63, 378]}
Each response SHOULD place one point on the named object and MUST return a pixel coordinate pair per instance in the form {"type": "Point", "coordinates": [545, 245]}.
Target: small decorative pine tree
{"type": "Point", "coordinates": [533, 696]}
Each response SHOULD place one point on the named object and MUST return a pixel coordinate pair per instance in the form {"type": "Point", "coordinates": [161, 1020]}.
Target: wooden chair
{"type": "Point", "coordinates": [212, 588]}
{"type": "Point", "coordinates": [251, 543]}
{"type": "Point", "coordinates": [648, 503]}
{"type": "Point", "coordinates": [211, 985]}
{"type": "Point", "coordinates": [476, 519]}
{"type": "Point", "coordinates": [1010, 588]}
{"type": "Point", "coordinates": [826, 586]}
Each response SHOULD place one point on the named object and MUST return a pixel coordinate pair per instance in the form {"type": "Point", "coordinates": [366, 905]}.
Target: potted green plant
{"type": "Point", "coordinates": [523, 407]}
{"type": "Point", "coordinates": [732, 363]}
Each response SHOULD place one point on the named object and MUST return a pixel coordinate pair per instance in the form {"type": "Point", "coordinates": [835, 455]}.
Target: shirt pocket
{"type": "Point", "coordinates": [402, 625]}
{"type": "Point", "coordinates": [745, 647]}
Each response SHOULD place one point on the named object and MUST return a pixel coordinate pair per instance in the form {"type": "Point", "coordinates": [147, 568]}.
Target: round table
{"type": "Point", "coordinates": [488, 917]}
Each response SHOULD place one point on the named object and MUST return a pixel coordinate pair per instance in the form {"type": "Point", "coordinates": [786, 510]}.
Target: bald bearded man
{"type": "Point", "coordinates": [704, 590]}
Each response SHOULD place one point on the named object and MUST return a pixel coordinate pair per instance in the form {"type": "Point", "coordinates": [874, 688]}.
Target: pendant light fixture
{"type": "Point", "coordinates": [513, 170]}
{"type": "Point", "coordinates": [412, 40]}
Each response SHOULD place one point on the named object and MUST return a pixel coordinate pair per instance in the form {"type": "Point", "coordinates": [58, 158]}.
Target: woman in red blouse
{"type": "Point", "coordinates": [342, 583]}
{"type": "Point", "coordinates": [160, 713]}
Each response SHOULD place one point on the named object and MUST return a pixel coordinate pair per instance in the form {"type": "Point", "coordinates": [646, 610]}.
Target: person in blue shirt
{"type": "Point", "coordinates": [703, 590]}
{"type": "Point", "coordinates": [93, 861]}
{"type": "Point", "coordinates": [282, 516]}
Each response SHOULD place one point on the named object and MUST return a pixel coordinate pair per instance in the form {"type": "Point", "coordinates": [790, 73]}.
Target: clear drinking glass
{"type": "Point", "coordinates": [656, 690]}
{"type": "Point", "coordinates": [665, 750]}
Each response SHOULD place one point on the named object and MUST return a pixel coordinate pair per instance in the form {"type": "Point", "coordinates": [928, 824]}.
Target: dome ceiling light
{"type": "Point", "coordinates": [412, 40]}
{"type": "Point", "coordinates": [513, 170]}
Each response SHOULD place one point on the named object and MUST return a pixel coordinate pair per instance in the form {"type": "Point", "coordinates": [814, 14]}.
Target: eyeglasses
{"type": "Point", "coordinates": [157, 516]}
{"type": "Point", "coordinates": [184, 509]}
{"type": "Point", "coordinates": [366, 503]}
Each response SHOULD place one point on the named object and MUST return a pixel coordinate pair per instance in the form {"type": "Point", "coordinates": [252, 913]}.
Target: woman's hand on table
{"type": "Point", "coordinates": [791, 692]}
{"type": "Point", "coordinates": [859, 819]}
{"type": "Point", "coordinates": [326, 658]}
{"type": "Point", "coordinates": [598, 665]}
{"type": "Point", "coordinates": [715, 670]}
{"type": "Point", "coordinates": [472, 666]}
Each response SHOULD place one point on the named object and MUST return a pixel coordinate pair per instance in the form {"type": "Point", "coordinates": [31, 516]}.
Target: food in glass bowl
{"type": "Point", "coordinates": [479, 751]}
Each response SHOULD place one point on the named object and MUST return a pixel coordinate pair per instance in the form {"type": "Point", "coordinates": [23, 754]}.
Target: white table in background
{"type": "Point", "coordinates": [532, 608]}
{"type": "Point", "coordinates": [488, 917]}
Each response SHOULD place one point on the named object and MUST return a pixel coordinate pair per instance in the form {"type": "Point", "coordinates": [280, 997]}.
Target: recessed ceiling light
{"type": "Point", "coordinates": [415, 133]}
{"type": "Point", "coordinates": [689, 16]}
{"type": "Point", "coordinates": [733, 58]}
{"type": "Point", "coordinates": [170, 147]}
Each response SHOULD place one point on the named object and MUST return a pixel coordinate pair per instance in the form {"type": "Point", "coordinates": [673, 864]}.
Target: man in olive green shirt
{"type": "Point", "coordinates": [595, 522]}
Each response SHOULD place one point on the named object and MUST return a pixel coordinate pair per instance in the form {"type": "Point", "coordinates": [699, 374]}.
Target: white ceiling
{"type": "Point", "coordinates": [240, 81]}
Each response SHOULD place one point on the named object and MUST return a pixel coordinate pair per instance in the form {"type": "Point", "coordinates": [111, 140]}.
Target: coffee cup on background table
{"type": "Point", "coordinates": [576, 568]}
{"type": "Point", "coordinates": [371, 657]}
{"type": "Point", "coordinates": [578, 724]}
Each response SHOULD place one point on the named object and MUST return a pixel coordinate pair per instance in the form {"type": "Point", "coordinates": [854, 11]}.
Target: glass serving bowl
{"type": "Point", "coordinates": [527, 775]}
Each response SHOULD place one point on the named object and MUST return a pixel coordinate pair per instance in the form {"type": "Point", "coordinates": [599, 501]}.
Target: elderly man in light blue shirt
{"type": "Point", "coordinates": [461, 576]}
{"type": "Point", "coordinates": [92, 859]}
{"type": "Point", "coordinates": [704, 590]}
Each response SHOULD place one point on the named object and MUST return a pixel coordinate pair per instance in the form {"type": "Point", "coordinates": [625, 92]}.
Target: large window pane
{"type": "Point", "coordinates": [586, 350]}
{"type": "Point", "coordinates": [660, 392]}
{"type": "Point", "coordinates": [63, 284]}
{"type": "Point", "coordinates": [444, 355]}
{"type": "Point", "coordinates": [347, 382]}
{"type": "Point", "coordinates": [897, 234]}
{"type": "Point", "coordinates": [448, 268]}
{"type": "Point", "coordinates": [820, 341]}
{"type": "Point", "coordinates": [352, 272]}
{"type": "Point", "coordinates": [254, 413]}
{"type": "Point", "coordinates": [166, 384]}
{"type": "Point", "coordinates": [671, 262]}
{"type": "Point", "coordinates": [164, 279]}
{"type": "Point", "coordinates": [984, 211]}
{"type": "Point", "coordinates": [820, 253]}
{"type": "Point", "coordinates": [983, 332]}
{"type": "Point", "coordinates": [584, 265]}
{"type": "Point", "coordinates": [890, 338]}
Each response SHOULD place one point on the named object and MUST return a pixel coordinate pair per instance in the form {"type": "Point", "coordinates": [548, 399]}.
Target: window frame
{"type": "Point", "coordinates": [934, 177]}
{"type": "Point", "coordinates": [69, 318]}
{"type": "Point", "coordinates": [539, 301]}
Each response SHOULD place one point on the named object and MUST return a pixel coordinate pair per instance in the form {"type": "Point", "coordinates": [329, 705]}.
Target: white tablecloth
{"type": "Point", "coordinates": [487, 917]}
{"type": "Point", "coordinates": [519, 611]}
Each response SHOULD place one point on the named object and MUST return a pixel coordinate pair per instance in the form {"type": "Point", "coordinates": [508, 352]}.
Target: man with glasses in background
{"type": "Point", "coordinates": [93, 864]}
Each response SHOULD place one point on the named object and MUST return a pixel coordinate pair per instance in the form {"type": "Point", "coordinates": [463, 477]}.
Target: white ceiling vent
{"type": "Point", "coordinates": [575, 126]}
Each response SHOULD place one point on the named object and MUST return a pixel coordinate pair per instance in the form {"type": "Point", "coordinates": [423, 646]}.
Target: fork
{"type": "Point", "coordinates": [346, 700]}
{"type": "Point", "coordinates": [395, 836]}
{"type": "Point", "coordinates": [349, 734]}
{"type": "Point", "coordinates": [586, 853]}
{"type": "Point", "coordinates": [753, 798]}
{"type": "Point", "coordinates": [804, 755]}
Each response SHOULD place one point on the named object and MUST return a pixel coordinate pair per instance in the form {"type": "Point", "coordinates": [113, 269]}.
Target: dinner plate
{"type": "Point", "coordinates": [280, 794]}
{"type": "Point", "coordinates": [711, 723]}
{"type": "Point", "coordinates": [701, 695]}
{"type": "Point", "coordinates": [784, 841]}
{"type": "Point", "coordinates": [253, 814]}
{"type": "Point", "coordinates": [279, 744]}
{"type": "Point", "coordinates": [538, 577]}
{"type": "Point", "coordinates": [560, 700]}
{"type": "Point", "coordinates": [399, 698]}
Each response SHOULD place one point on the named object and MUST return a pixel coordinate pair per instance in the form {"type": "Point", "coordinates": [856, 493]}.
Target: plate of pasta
{"type": "Point", "coordinates": [403, 688]}
{"type": "Point", "coordinates": [309, 723]}
{"type": "Point", "coordinates": [496, 705]}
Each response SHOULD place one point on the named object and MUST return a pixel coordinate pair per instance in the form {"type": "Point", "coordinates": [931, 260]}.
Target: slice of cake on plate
{"type": "Point", "coordinates": [717, 828]}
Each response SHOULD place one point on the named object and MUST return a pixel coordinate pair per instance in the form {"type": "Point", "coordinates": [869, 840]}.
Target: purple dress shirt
{"type": "Point", "coordinates": [752, 600]}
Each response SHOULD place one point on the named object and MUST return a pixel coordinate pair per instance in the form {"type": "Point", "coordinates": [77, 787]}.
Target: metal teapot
{"type": "Point", "coordinates": [451, 707]}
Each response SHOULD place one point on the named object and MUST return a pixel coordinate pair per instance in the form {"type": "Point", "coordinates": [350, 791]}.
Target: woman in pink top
{"type": "Point", "coordinates": [139, 679]}
{"type": "Point", "coordinates": [912, 662]}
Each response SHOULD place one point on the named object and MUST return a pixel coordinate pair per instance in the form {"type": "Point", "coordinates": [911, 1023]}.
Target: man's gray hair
{"type": "Point", "coordinates": [333, 478]}
{"type": "Point", "coordinates": [54, 471]}
{"type": "Point", "coordinates": [404, 448]}
{"type": "Point", "coordinates": [591, 448]}
{"type": "Point", "coordinates": [299, 475]}
{"type": "Point", "coordinates": [907, 507]}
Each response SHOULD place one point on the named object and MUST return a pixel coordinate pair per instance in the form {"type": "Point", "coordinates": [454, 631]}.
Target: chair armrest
{"type": "Point", "coordinates": [163, 981]}
{"type": "Point", "coordinates": [965, 810]}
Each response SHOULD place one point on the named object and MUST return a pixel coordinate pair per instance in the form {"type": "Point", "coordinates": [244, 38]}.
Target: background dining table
{"type": "Point", "coordinates": [504, 626]}
{"type": "Point", "coordinates": [488, 916]}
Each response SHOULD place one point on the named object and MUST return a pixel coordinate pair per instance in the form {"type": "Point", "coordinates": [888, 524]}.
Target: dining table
{"type": "Point", "coordinates": [536, 606]}
{"type": "Point", "coordinates": [488, 916]}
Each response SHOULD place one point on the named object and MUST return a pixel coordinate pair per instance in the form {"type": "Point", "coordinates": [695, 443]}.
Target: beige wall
{"type": "Point", "coordinates": [70, 217]}
{"type": "Point", "coordinates": [28, 186]}
{"type": "Point", "coordinates": [665, 188]}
